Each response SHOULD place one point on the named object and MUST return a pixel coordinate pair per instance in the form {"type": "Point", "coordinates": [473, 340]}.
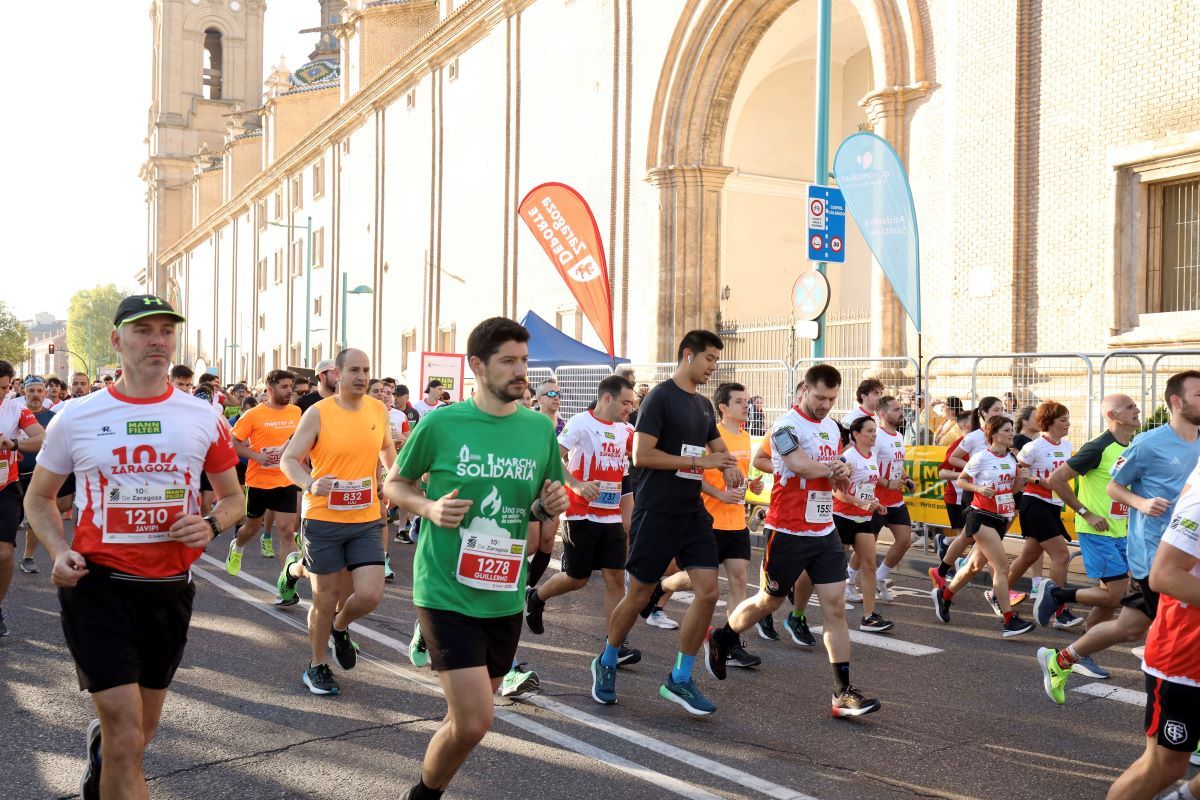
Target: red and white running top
{"type": "Point", "coordinates": [889, 452]}
{"type": "Point", "coordinates": [1000, 473]}
{"type": "Point", "coordinates": [856, 413]}
{"type": "Point", "coordinates": [1173, 644]}
{"type": "Point", "coordinates": [137, 465]}
{"type": "Point", "coordinates": [596, 452]}
{"type": "Point", "coordinates": [972, 443]}
{"type": "Point", "coordinates": [798, 506]}
{"type": "Point", "coordinates": [15, 416]}
{"type": "Point", "coordinates": [1043, 455]}
{"type": "Point", "coordinates": [864, 475]}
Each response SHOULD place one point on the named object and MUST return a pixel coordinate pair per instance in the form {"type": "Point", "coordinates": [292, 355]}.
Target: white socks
{"type": "Point", "coordinates": [882, 573]}
{"type": "Point", "coordinates": [239, 549]}
{"type": "Point", "coordinates": [1184, 792]}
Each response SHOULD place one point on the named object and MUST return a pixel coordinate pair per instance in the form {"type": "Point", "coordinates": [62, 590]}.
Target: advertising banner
{"type": "Point", "coordinates": [449, 368]}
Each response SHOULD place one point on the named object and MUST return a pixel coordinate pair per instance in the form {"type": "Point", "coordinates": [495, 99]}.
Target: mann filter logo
{"type": "Point", "coordinates": [609, 435]}
{"type": "Point", "coordinates": [1189, 525]}
{"type": "Point", "coordinates": [143, 428]}
{"type": "Point", "coordinates": [174, 494]}
{"type": "Point", "coordinates": [824, 435]}
{"type": "Point", "coordinates": [1059, 454]}
{"type": "Point", "coordinates": [517, 548]}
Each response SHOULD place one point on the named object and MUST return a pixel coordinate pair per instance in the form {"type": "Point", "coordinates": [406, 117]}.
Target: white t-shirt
{"type": "Point", "coordinates": [799, 506]}
{"type": "Point", "coordinates": [1043, 456]}
{"type": "Point", "coordinates": [998, 472]}
{"type": "Point", "coordinates": [596, 452]}
{"type": "Point", "coordinates": [397, 421]}
{"type": "Point", "coordinates": [424, 408]}
{"type": "Point", "coordinates": [864, 475]}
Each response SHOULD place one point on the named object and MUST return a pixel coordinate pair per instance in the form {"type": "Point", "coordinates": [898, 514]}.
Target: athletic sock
{"type": "Point", "coordinates": [537, 567]}
{"type": "Point", "coordinates": [239, 549]}
{"type": "Point", "coordinates": [851, 575]}
{"type": "Point", "coordinates": [728, 634]}
{"type": "Point", "coordinates": [841, 676]}
{"type": "Point", "coordinates": [1186, 793]}
{"type": "Point", "coordinates": [609, 657]}
{"type": "Point", "coordinates": [797, 613]}
{"type": "Point", "coordinates": [1037, 582]}
{"type": "Point", "coordinates": [947, 594]}
{"type": "Point", "coordinates": [1063, 596]}
{"type": "Point", "coordinates": [1008, 615]}
{"type": "Point", "coordinates": [423, 792]}
{"type": "Point", "coordinates": [1067, 656]}
{"type": "Point", "coordinates": [882, 573]}
{"type": "Point", "coordinates": [683, 668]}
{"type": "Point", "coordinates": [943, 569]}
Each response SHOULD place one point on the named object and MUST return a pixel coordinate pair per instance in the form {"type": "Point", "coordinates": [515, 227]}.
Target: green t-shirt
{"type": "Point", "coordinates": [499, 463]}
{"type": "Point", "coordinates": [1094, 463]}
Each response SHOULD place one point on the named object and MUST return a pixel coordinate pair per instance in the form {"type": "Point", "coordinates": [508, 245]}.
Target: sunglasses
{"type": "Point", "coordinates": [551, 393]}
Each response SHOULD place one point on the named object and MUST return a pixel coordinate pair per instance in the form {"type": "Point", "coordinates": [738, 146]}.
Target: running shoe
{"type": "Point", "coordinates": [941, 606]}
{"type": "Point", "coordinates": [1138, 652]}
{"type": "Point", "coordinates": [687, 695]}
{"type": "Point", "coordinates": [1194, 759]}
{"type": "Point", "coordinates": [1016, 598]}
{"type": "Point", "coordinates": [851, 703]}
{"type": "Point", "coordinates": [3, 624]}
{"type": "Point", "coordinates": [520, 681]}
{"type": "Point", "coordinates": [388, 574]}
{"type": "Point", "coordinates": [883, 593]}
{"type": "Point", "coordinates": [533, 611]}
{"type": "Point", "coordinates": [29, 566]}
{"type": "Point", "coordinates": [940, 546]}
{"type": "Point", "coordinates": [1044, 605]}
{"type": "Point", "coordinates": [417, 652]}
{"type": "Point", "coordinates": [89, 784]}
{"type": "Point", "coordinates": [766, 629]}
{"type": "Point", "coordinates": [1065, 620]}
{"type": "Point", "coordinates": [652, 606]}
{"type": "Point", "coordinates": [344, 648]}
{"type": "Point", "coordinates": [266, 544]}
{"type": "Point", "coordinates": [873, 623]}
{"type": "Point", "coordinates": [402, 536]}
{"type": "Point", "coordinates": [604, 683]}
{"type": "Point", "coordinates": [628, 656]}
{"type": "Point", "coordinates": [285, 584]}
{"type": "Point", "coordinates": [659, 619]}
{"type": "Point", "coordinates": [853, 595]}
{"type": "Point", "coordinates": [299, 540]}
{"type": "Point", "coordinates": [716, 653]}
{"type": "Point", "coordinates": [990, 596]}
{"type": "Point", "coordinates": [939, 582]}
{"type": "Point", "coordinates": [1054, 677]}
{"type": "Point", "coordinates": [1087, 666]}
{"type": "Point", "coordinates": [319, 680]}
{"type": "Point", "coordinates": [739, 657]}
{"type": "Point", "coordinates": [1016, 626]}
{"type": "Point", "coordinates": [233, 561]}
{"type": "Point", "coordinates": [798, 628]}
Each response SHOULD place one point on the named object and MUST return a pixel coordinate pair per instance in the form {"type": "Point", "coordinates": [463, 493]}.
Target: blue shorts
{"type": "Point", "coordinates": [1103, 556]}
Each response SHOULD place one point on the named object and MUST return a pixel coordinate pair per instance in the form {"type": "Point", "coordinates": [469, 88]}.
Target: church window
{"type": "Point", "coordinates": [212, 64]}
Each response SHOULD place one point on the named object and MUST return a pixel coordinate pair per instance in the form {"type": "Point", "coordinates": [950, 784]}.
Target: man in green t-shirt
{"type": "Point", "coordinates": [1100, 521]}
{"type": "Point", "coordinates": [492, 466]}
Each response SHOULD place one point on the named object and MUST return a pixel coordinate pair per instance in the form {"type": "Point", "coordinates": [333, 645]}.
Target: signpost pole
{"type": "Point", "coordinates": [821, 160]}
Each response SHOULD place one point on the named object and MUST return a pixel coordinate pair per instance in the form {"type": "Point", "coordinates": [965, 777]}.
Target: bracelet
{"type": "Point", "coordinates": [212, 523]}
{"type": "Point", "coordinates": [538, 510]}
{"type": "Point", "coordinates": [693, 462]}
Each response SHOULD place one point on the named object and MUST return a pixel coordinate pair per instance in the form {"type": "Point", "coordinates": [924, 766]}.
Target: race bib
{"type": "Point", "coordinates": [1005, 505]}
{"type": "Point", "coordinates": [273, 455]}
{"type": "Point", "coordinates": [609, 497]}
{"type": "Point", "coordinates": [819, 508]}
{"type": "Point", "coordinates": [489, 562]}
{"type": "Point", "coordinates": [4, 465]}
{"type": "Point", "coordinates": [351, 495]}
{"type": "Point", "coordinates": [1118, 510]}
{"type": "Point", "coordinates": [141, 514]}
{"type": "Point", "coordinates": [691, 451]}
{"type": "Point", "coordinates": [864, 492]}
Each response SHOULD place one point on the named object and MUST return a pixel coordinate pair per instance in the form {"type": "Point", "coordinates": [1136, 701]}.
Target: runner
{"type": "Point", "coordinates": [126, 594]}
{"type": "Point", "coordinates": [543, 532]}
{"type": "Point", "coordinates": [1146, 479]}
{"type": "Point", "coordinates": [327, 385]}
{"type": "Point", "coordinates": [35, 396]}
{"type": "Point", "coordinates": [492, 466]}
{"type": "Point", "coordinates": [181, 378]}
{"type": "Point", "coordinates": [674, 426]}
{"type": "Point", "coordinates": [801, 535]}
{"type": "Point", "coordinates": [260, 436]}
{"type": "Point", "coordinates": [1027, 430]}
{"type": "Point", "coordinates": [868, 394]}
{"type": "Point", "coordinates": [432, 399]}
{"type": "Point", "coordinates": [300, 388]}
{"type": "Point", "coordinates": [955, 508]}
{"type": "Point", "coordinates": [344, 437]}
{"type": "Point", "coordinates": [893, 482]}
{"type": "Point", "coordinates": [854, 512]}
{"type": "Point", "coordinates": [15, 418]}
{"type": "Point", "coordinates": [1172, 661]}
{"type": "Point", "coordinates": [992, 475]}
{"type": "Point", "coordinates": [80, 386]}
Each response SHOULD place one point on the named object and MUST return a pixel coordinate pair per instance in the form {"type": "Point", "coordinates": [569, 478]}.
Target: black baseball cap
{"type": "Point", "coordinates": [139, 306]}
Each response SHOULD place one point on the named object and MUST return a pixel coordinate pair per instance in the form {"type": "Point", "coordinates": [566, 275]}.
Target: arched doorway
{"type": "Point", "coordinates": [733, 116]}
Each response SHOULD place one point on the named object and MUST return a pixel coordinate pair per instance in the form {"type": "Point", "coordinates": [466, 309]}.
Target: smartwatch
{"type": "Point", "coordinates": [212, 523]}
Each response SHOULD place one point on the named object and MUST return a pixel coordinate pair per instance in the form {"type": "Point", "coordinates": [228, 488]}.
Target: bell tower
{"type": "Point", "coordinates": [207, 59]}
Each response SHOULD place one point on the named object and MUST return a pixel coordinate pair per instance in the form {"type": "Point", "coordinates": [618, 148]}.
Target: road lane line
{"type": "Point", "coordinates": [1121, 695]}
{"type": "Point", "coordinates": [885, 642]}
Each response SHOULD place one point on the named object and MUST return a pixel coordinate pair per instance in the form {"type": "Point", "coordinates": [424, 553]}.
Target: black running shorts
{"type": "Point", "coordinates": [788, 555]}
{"type": "Point", "coordinates": [895, 517]}
{"type": "Point", "coordinates": [957, 515]}
{"type": "Point", "coordinates": [281, 500]}
{"type": "Point", "coordinates": [124, 629]}
{"type": "Point", "coordinates": [11, 511]}
{"type": "Point", "coordinates": [732, 544]}
{"type": "Point", "coordinates": [1173, 714]}
{"type": "Point", "coordinates": [589, 545]}
{"type": "Point", "coordinates": [456, 641]}
{"type": "Point", "coordinates": [848, 528]}
{"type": "Point", "coordinates": [976, 518]}
{"type": "Point", "coordinates": [1040, 521]}
{"type": "Point", "coordinates": [1141, 597]}
{"type": "Point", "coordinates": [656, 538]}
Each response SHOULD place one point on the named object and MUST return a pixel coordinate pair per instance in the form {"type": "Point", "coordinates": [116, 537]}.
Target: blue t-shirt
{"type": "Point", "coordinates": [1157, 464]}
{"type": "Point", "coordinates": [29, 460]}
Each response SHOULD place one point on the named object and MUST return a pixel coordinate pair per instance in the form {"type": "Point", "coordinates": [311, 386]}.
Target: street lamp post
{"type": "Point", "coordinates": [821, 156]}
{"type": "Point", "coordinates": [360, 289]}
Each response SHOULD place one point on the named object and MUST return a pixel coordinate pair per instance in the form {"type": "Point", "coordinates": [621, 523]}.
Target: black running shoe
{"type": "Point", "coordinates": [941, 606]}
{"type": "Point", "coordinates": [1016, 626]}
{"type": "Point", "coordinates": [344, 649]}
{"type": "Point", "coordinates": [766, 628]}
{"type": "Point", "coordinates": [533, 611]}
{"type": "Point", "coordinates": [89, 784]}
{"type": "Point", "coordinates": [874, 623]}
{"type": "Point", "coordinates": [851, 703]}
{"type": "Point", "coordinates": [797, 628]}
{"type": "Point", "coordinates": [402, 536]}
{"type": "Point", "coordinates": [628, 656]}
{"type": "Point", "coordinates": [3, 624]}
{"type": "Point", "coordinates": [655, 596]}
{"type": "Point", "coordinates": [738, 657]}
{"type": "Point", "coordinates": [716, 653]}
{"type": "Point", "coordinates": [319, 679]}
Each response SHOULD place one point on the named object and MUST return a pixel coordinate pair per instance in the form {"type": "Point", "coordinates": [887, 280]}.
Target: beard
{"type": "Point", "coordinates": [506, 392]}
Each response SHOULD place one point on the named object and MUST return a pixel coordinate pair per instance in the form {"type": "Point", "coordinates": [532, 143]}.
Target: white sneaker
{"type": "Point", "coordinates": [1139, 652]}
{"type": "Point", "coordinates": [660, 620]}
{"type": "Point", "coordinates": [853, 595]}
{"type": "Point", "coordinates": [884, 594]}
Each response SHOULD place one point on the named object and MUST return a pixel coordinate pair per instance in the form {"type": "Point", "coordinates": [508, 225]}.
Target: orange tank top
{"type": "Point", "coordinates": [348, 449]}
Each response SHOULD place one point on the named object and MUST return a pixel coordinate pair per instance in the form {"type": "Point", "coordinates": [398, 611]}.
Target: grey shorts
{"type": "Point", "coordinates": [330, 547]}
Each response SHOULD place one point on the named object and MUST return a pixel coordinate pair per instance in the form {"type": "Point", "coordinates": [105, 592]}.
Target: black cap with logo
{"type": "Point", "coordinates": [143, 305]}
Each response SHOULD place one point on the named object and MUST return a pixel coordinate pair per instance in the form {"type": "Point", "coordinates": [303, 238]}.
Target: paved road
{"type": "Point", "coordinates": [963, 714]}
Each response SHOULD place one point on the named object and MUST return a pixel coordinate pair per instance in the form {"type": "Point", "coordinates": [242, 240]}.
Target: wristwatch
{"type": "Point", "coordinates": [212, 523]}
{"type": "Point", "coordinates": [1082, 511]}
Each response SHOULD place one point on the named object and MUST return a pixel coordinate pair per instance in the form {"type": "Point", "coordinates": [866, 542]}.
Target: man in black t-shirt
{"type": "Point", "coordinates": [327, 384]}
{"type": "Point", "coordinates": [675, 440]}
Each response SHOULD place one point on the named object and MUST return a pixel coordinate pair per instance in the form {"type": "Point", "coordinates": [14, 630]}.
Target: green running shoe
{"type": "Point", "coordinates": [417, 653]}
{"type": "Point", "coordinates": [285, 585]}
{"type": "Point", "coordinates": [1054, 677]}
{"type": "Point", "coordinates": [520, 681]}
{"type": "Point", "coordinates": [233, 561]}
{"type": "Point", "coordinates": [267, 546]}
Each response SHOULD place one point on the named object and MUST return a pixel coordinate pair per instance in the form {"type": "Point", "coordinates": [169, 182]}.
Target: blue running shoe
{"type": "Point", "coordinates": [1087, 666]}
{"type": "Point", "coordinates": [687, 695]}
{"type": "Point", "coordinates": [1044, 605]}
{"type": "Point", "coordinates": [604, 683]}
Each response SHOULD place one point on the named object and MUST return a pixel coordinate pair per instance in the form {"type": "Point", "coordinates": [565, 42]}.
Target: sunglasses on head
{"type": "Point", "coordinates": [551, 393]}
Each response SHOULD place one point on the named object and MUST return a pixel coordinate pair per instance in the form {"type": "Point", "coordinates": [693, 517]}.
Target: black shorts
{"type": "Point", "coordinates": [240, 469]}
{"type": "Point", "coordinates": [656, 538]}
{"type": "Point", "coordinates": [456, 641]}
{"type": "Point", "coordinates": [11, 511]}
{"type": "Point", "coordinates": [732, 544]}
{"type": "Point", "coordinates": [787, 556]}
{"type": "Point", "coordinates": [68, 487]}
{"type": "Point", "coordinates": [957, 515]}
{"type": "Point", "coordinates": [281, 500]}
{"type": "Point", "coordinates": [975, 518]}
{"type": "Point", "coordinates": [205, 484]}
{"type": "Point", "coordinates": [1040, 521]}
{"type": "Point", "coordinates": [1141, 597]}
{"type": "Point", "coordinates": [1173, 714]}
{"type": "Point", "coordinates": [589, 545]}
{"type": "Point", "coordinates": [626, 485]}
{"type": "Point", "coordinates": [123, 630]}
{"type": "Point", "coordinates": [895, 516]}
{"type": "Point", "coordinates": [848, 529]}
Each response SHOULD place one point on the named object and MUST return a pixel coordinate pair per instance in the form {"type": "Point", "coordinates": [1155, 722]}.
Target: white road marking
{"type": "Point", "coordinates": [885, 642]}
{"type": "Point", "coordinates": [1121, 695]}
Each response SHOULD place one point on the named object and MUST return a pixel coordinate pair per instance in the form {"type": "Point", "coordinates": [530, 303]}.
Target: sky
{"type": "Point", "coordinates": [76, 140]}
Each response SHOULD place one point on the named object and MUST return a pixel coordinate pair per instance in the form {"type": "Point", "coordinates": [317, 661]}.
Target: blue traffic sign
{"type": "Point", "coordinates": [826, 225]}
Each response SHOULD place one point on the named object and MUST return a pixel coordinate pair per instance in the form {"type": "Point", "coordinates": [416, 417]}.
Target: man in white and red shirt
{"type": "Point", "coordinates": [893, 482]}
{"type": "Point", "coordinates": [137, 450]}
{"type": "Point", "coordinates": [800, 533]}
{"type": "Point", "coordinates": [594, 444]}
{"type": "Point", "coordinates": [15, 418]}
{"type": "Point", "coordinates": [1172, 660]}
{"type": "Point", "coordinates": [869, 393]}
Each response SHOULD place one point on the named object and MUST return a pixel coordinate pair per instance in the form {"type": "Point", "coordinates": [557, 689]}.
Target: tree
{"type": "Point", "coordinates": [14, 339]}
{"type": "Point", "coordinates": [89, 323]}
